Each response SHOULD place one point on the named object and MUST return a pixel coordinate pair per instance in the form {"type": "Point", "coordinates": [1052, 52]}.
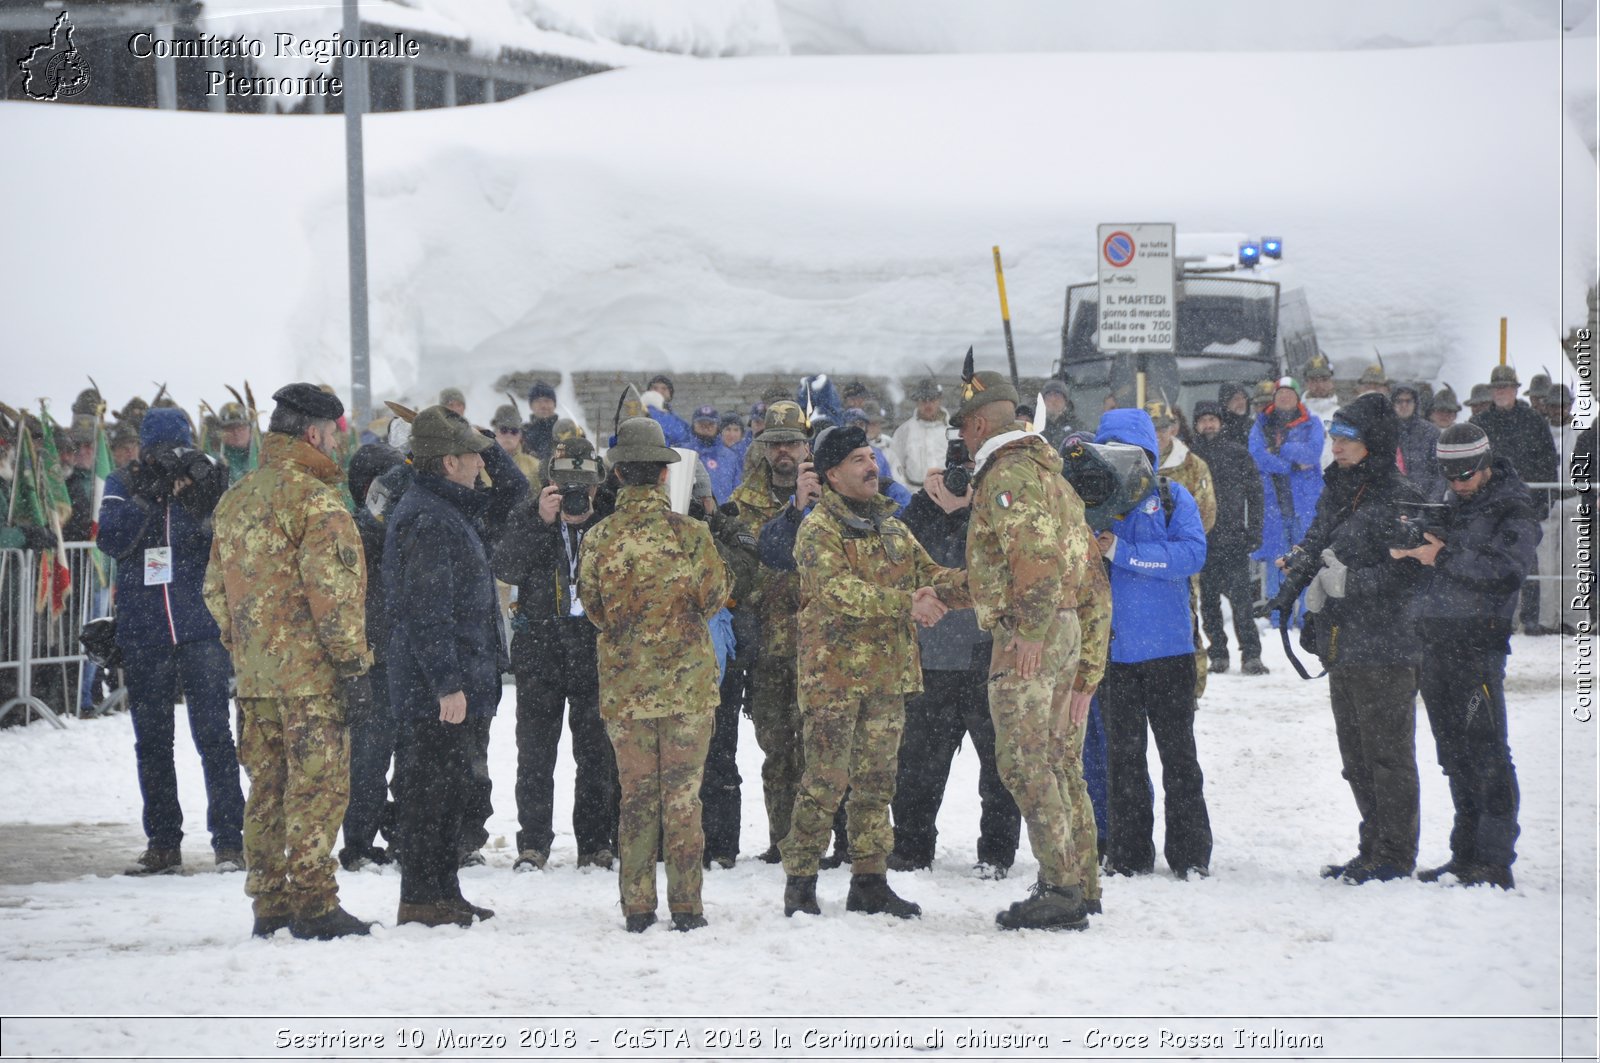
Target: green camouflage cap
{"type": "Point", "coordinates": [438, 432]}
{"type": "Point", "coordinates": [641, 439]}
{"type": "Point", "coordinates": [786, 423]}
{"type": "Point", "coordinates": [574, 462]}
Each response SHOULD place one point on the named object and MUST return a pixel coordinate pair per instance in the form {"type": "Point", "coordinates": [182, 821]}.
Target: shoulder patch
{"type": "Point", "coordinates": [1004, 499]}
{"type": "Point", "coordinates": [1151, 505]}
{"type": "Point", "coordinates": [349, 556]}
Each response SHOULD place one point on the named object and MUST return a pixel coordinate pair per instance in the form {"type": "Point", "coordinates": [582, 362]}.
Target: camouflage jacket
{"type": "Point", "coordinates": [775, 599]}
{"type": "Point", "coordinates": [650, 579]}
{"type": "Point", "coordinates": [857, 574]}
{"type": "Point", "coordinates": [287, 582]}
{"type": "Point", "coordinates": [1030, 553]}
{"type": "Point", "coordinates": [1184, 466]}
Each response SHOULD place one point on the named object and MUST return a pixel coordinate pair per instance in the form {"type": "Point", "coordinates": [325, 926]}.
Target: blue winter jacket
{"type": "Point", "coordinates": [678, 434]}
{"type": "Point", "coordinates": [1295, 462]}
{"type": "Point", "coordinates": [725, 464]}
{"type": "Point", "coordinates": [157, 614]}
{"type": "Point", "coordinates": [444, 616]}
{"type": "Point", "coordinates": [1153, 560]}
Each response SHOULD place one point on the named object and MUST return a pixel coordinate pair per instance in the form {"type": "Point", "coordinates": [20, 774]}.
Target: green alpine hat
{"type": "Point", "coordinates": [438, 432]}
{"type": "Point", "coordinates": [641, 439]}
{"type": "Point", "coordinates": [1480, 393]}
{"type": "Point", "coordinates": [1445, 399]}
{"type": "Point", "coordinates": [1318, 368]}
{"type": "Point", "coordinates": [1504, 376]}
{"type": "Point", "coordinates": [573, 462]}
{"type": "Point", "coordinates": [786, 423]}
{"type": "Point", "coordinates": [980, 389]}
{"type": "Point", "coordinates": [1374, 375]}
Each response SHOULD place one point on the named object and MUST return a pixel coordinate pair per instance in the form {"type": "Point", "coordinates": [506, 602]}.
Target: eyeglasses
{"type": "Point", "coordinates": [1461, 478]}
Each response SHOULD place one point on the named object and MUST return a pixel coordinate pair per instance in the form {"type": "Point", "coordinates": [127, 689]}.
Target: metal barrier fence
{"type": "Point", "coordinates": [32, 642]}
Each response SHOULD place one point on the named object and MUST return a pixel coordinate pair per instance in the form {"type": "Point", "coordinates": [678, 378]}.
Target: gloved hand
{"type": "Point", "coordinates": [38, 537]}
{"type": "Point", "coordinates": [356, 693]}
{"type": "Point", "coordinates": [200, 497]}
{"type": "Point", "coordinates": [147, 481]}
{"type": "Point", "coordinates": [1332, 575]}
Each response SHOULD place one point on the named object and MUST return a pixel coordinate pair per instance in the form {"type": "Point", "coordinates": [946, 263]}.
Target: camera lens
{"type": "Point", "coordinates": [574, 499]}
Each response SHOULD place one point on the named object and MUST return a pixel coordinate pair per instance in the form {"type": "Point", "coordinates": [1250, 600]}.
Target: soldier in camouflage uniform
{"type": "Point", "coordinates": [863, 579]}
{"type": "Point", "coordinates": [781, 485]}
{"type": "Point", "coordinates": [650, 580]}
{"type": "Point", "coordinates": [1039, 586]}
{"type": "Point", "coordinates": [1182, 465]}
{"type": "Point", "coordinates": [287, 585]}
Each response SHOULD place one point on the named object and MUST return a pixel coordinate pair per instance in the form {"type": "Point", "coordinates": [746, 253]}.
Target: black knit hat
{"type": "Point", "coordinates": [1463, 449]}
{"type": "Point", "coordinates": [834, 445]}
{"type": "Point", "coordinates": [1207, 408]}
{"type": "Point", "coordinates": [1372, 420]}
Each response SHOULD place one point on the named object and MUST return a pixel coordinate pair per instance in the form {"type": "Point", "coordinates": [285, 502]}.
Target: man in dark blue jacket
{"type": "Point", "coordinates": [446, 655]}
{"type": "Point", "coordinates": [1477, 563]}
{"type": "Point", "coordinates": [155, 520]}
{"type": "Point", "coordinates": [1150, 677]}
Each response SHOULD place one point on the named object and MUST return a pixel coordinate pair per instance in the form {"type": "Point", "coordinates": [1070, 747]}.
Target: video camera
{"type": "Point", "coordinates": [1111, 478]}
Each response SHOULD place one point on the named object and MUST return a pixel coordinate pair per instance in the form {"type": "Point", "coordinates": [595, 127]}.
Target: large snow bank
{"type": "Point", "coordinates": [820, 213]}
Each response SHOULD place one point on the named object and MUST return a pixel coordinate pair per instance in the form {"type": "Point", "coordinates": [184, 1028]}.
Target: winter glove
{"type": "Point", "coordinates": [38, 537]}
{"type": "Point", "coordinates": [203, 492]}
{"type": "Point", "coordinates": [1332, 575]}
{"type": "Point", "coordinates": [356, 693]}
{"type": "Point", "coordinates": [149, 482]}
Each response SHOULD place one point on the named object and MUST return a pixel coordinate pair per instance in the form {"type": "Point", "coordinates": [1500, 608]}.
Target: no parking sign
{"type": "Point", "coordinates": [1138, 304]}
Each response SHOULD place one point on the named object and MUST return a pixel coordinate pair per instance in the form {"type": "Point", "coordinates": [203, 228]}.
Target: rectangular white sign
{"type": "Point", "coordinates": [1138, 299]}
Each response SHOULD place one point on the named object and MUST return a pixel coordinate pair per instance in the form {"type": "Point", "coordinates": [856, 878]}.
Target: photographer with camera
{"type": "Point", "coordinates": [554, 656]}
{"type": "Point", "coordinates": [1356, 605]}
{"type": "Point", "coordinates": [155, 520]}
{"type": "Point", "coordinates": [1476, 561]}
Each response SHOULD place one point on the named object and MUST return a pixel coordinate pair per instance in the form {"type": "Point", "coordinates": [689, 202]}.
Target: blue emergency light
{"type": "Point", "coordinates": [1271, 247]}
{"type": "Point", "coordinates": [1249, 254]}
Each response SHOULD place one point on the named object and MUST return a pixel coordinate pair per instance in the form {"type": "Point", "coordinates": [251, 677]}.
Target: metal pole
{"type": "Point", "coordinates": [1005, 316]}
{"type": "Point", "coordinates": [355, 102]}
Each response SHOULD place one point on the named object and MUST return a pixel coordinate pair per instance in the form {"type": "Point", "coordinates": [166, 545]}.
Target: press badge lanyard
{"type": "Point", "coordinates": [568, 533]}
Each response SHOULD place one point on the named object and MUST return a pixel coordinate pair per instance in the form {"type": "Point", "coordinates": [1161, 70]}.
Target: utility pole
{"type": "Point", "coordinates": [355, 103]}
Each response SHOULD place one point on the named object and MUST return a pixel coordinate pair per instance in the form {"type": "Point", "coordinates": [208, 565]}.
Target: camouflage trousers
{"type": "Point", "coordinates": [1040, 754]}
{"type": "Point", "coordinates": [1202, 659]}
{"type": "Point", "coordinates": [775, 710]}
{"type": "Point", "coordinates": [851, 743]}
{"type": "Point", "coordinates": [296, 752]}
{"type": "Point", "coordinates": [660, 763]}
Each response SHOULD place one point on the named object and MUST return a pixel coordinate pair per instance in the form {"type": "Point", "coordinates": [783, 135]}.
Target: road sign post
{"type": "Point", "coordinates": [1138, 295]}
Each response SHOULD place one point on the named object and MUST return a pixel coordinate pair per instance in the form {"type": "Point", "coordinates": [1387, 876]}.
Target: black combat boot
{"type": "Point", "coordinates": [639, 922]}
{"type": "Point", "coordinates": [1047, 908]}
{"type": "Point", "coordinates": [1434, 874]}
{"type": "Point", "coordinates": [800, 895]}
{"type": "Point", "coordinates": [157, 862]}
{"type": "Point", "coordinates": [461, 904]}
{"type": "Point", "coordinates": [686, 921]}
{"type": "Point", "coordinates": [871, 894]}
{"type": "Point", "coordinates": [442, 913]}
{"type": "Point", "coordinates": [1359, 874]}
{"type": "Point", "coordinates": [770, 855]}
{"type": "Point", "coordinates": [334, 923]}
{"type": "Point", "coordinates": [267, 925]}
{"type": "Point", "coordinates": [1486, 875]}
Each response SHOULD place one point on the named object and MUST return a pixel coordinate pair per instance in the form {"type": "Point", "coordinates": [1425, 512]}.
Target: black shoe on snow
{"type": "Point", "coordinates": [267, 925]}
{"type": "Point", "coordinates": [1253, 666]}
{"type": "Point", "coordinates": [686, 921]}
{"type": "Point", "coordinates": [985, 869]}
{"type": "Point", "coordinates": [1093, 907]}
{"type": "Point", "coordinates": [800, 895]}
{"type": "Point", "coordinates": [601, 858]}
{"type": "Point", "coordinates": [230, 860]}
{"type": "Point", "coordinates": [1358, 874]}
{"type": "Point", "coordinates": [724, 862]}
{"type": "Point", "coordinates": [334, 923]}
{"type": "Point", "coordinates": [1219, 665]}
{"type": "Point", "coordinates": [1486, 875]}
{"type": "Point", "coordinates": [906, 863]}
{"type": "Point", "coordinates": [530, 860]}
{"type": "Point", "coordinates": [1047, 908]}
{"type": "Point", "coordinates": [771, 855]}
{"type": "Point", "coordinates": [871, 895]}
{"type": "Point", "coordinates": [1434, 874]}
{"type": "Point", "coordinates": [157, 862]}
{"type": "Point", "coordinates": [639, 922]}
{"type": "Point", "coordinates": [1182, 873]}
{"type": "Point", "coordinates": [461, 904]}
{"type": "Point", "coordinates": [470, 858]}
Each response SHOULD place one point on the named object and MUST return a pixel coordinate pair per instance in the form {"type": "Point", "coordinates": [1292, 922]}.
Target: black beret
{"type": "Point", "coordinates": [310, 400]}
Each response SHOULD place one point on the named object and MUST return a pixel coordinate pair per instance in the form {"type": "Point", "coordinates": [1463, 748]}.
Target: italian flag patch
{"type": "Point", "coordinates": [1004, 499]}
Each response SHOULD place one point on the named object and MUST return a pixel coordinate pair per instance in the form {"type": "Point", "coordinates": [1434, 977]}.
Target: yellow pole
{"type": "Point", "coordinates": [1005, 315]}
{"type": "Point", "coordinates": [1502, 341]}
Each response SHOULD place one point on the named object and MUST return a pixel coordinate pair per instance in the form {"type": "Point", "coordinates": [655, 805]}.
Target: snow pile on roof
{"type": "Point", "coordinates": [799, 213]}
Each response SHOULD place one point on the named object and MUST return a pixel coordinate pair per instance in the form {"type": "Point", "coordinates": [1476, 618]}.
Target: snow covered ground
{"type": "Point", "coordinates": [1263, 937]}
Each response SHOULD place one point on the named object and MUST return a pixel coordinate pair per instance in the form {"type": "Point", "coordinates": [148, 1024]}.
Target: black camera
{"type": "Point", "coordinates": [575, 499]}
{"type": "Point", "coordinates": [957, 477]}
{"type": "Point", "coordinates": [175, 462]}
{"type": "Point", "coordinates": [1415, 521]}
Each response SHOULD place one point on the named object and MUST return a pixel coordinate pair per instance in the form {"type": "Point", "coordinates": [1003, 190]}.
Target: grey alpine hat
{"type": "Point", "coordinates": [438, 432]}
{"type": "Point", "coordinates": [641, 439]}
